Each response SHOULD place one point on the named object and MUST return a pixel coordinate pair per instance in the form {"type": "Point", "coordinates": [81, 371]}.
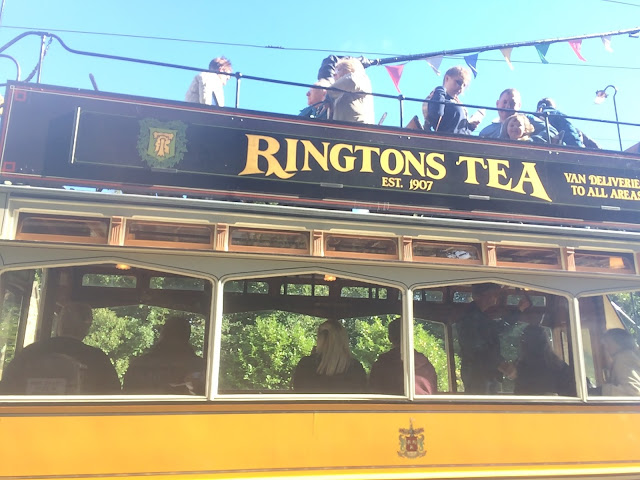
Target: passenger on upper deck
{"type": "Point", "coordinates": [624, 372]}
{"type": "Point", "coordinates": [62, 364]}
{"type": "Point", "coordinates": [387, 373]}
{"type": "Point", "coordinates": [316, 105]}
{"type": "Point", "coordinates": [539, 371]}
{"type": "Point", "coordinates": [206, 87]}
{"type": "Point", "coordinates": [510, 102]}
{"type": "Point", "coordinates": [355, 104]}
{"type": "Point", "coordinates": [444, 112]}
{"type": "Point", "coordinates": [518, 127]}
{"type": "Point", "coordinates": [559, 121]}
{"type": "Point", "coordinates": [482, 364]}
{"type": "Point", "coordinates": [169, 365]}
{"type": "Point", "coordinates": [330, 368]}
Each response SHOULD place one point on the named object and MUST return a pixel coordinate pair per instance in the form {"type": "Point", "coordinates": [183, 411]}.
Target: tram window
{"type": "Point", "coordinates": [493, 345]}
{"type": "Point", "coordinates": [610, 343]}
{"type": "Point", "coordinates": [587, 261]}
{"type": "Point", "coordinates": [531, 257]}
{"type": "Point", "coordinates": [459, 253]}
{"type": "Point", "coordinates": [348, 246]}
{"type": "Point", "coordinates": [69, 331]}
{"type": "Point", "coordinates": [269, 343]}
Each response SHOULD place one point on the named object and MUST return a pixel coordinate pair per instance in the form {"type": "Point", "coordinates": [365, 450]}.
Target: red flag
{"type": "Point", "coordinates": [395, 72]}
{"type": "Point", "coordinates": [577, 45]}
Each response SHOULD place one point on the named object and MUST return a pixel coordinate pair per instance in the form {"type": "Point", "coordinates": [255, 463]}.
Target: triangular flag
{"type": "Point", "coordinates": [606, 41]}
{"type": "Point", "coordinates": [542, 49]}
{"type": "Point", "coordinates": [434, 62]}
{"type": "Point", "coordinates": [395, 72]}
{"type": "Point", "coordinates": [576, 45]}
{"type": "Point", "coordinates": [507, 56]}
{"type": "Point", "coordinates": [471, 62]}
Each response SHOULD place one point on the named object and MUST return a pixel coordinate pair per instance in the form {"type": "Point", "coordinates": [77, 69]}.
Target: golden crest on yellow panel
{"type": "Point", "coordinates": [411, 442]}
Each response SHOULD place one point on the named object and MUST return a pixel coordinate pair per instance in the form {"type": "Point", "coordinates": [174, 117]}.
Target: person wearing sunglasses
{"type": "Point", "coordinates": [444, 112]}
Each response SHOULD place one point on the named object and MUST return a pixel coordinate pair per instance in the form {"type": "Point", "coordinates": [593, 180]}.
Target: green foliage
{"type": "Point", "coordinates": [261, 351]}
{"type": "Point", "coordinates": [428, 339]}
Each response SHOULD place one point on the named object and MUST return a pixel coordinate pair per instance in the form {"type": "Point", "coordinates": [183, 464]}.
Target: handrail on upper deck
{"type": "Point", "coordinates": [239, 76]}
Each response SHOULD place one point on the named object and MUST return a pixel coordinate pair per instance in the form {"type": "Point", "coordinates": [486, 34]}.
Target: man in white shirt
{"type": "Point", "coordinates": [206, 87]}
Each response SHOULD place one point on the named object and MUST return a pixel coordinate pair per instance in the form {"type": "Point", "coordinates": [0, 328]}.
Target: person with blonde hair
{"type": "Point", "coordinates": [444, 112]}
{"type": "Point", "coordinates": [518, 127]}
{"type": "Point", "coordinates": [206, 87]}
{"type": "Point", "coordinates": [351, 100]}
{"type": "Point", "coordinates": [330, 368]}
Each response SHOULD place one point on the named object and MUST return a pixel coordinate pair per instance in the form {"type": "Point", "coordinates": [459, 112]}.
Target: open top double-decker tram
{"type": "Point", "coordinates": [255, 229]}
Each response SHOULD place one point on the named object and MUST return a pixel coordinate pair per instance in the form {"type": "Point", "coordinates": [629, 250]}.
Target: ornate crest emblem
{"type": "Point", "coordinates": [411, 442]}
{"type": "Point", "coordinates": [162, 144]}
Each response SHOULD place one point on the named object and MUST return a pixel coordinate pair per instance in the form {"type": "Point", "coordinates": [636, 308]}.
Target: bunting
{"type": "Point", "coordinates": [434, 63]}
{"type": "Point", "coordinates": [472, 60]}
{"type": "Point", "coordinates": [542, 49]}
{"type": "Point", "coordinates": [606, 41]}
{"type": "Point", "coordinates": [507, 56]}
{"type": "Point", "coordinates": [395, 72]}
{"type": "Point", "coordinates": [576, 45]}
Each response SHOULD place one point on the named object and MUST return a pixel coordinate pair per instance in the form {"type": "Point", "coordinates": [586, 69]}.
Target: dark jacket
{"type": "Point", "coordinates": [447, 117]}
{"type": "Point", "coordinates": [307, 380]}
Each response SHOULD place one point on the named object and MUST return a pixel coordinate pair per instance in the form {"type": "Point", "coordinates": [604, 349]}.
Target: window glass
{"type": "Point", "coordinates": [144, 340]}
{"type": "Point", "coordinates": [318, 334]}
{"type": "Point", "coordinates": [491, 339]}
{"type": "Point", "coordinates": [610, 343]}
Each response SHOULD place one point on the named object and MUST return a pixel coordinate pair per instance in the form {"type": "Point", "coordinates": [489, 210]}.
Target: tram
{"type": "Point", "coordinates": [255, 229]}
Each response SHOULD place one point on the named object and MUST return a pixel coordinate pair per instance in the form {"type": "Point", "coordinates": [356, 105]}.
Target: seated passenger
{"type": "Point", "coordinates": [170, 366]}
{"type": "Point", "coordinates": [62, 364]}
{"type": "Point", "coordinates": [560, 122]}
{"type": "Point", "coordinates": [387, 373]}
{"type": "Point", "coordinates": [444, 114]}
{"type": "Point", "coordinates": [539, 371]}
{"type": "Point", "coordinates": [330, 368]}
{"type": "Point", "coordinates": [510, 102]}
{"type": "Point", "coordinates": [316, 105]}
{"type": "Point", "coordinates": [624, 372]}
{"type": "Point", "coordinates": [518, 127]}
{"type": "Point", "coordinates": [355, 104]}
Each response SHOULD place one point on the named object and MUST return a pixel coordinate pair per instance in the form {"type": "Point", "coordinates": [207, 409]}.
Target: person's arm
{"type": "Point", "coordinates": [436, 110]}
{"type": "Point", "coordinates": [626, 374]}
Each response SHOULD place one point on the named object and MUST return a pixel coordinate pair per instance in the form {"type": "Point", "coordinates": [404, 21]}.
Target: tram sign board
{"type": "Point", "coordinates": [52, 135]}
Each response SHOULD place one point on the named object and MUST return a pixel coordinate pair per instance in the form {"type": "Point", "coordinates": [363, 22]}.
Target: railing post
{"type": "Point", "coordinates": [401, 101]}
{"type": "Point", "coordinates": [42, 50]}
{"type": "Point", "coordinates": [238, 76]}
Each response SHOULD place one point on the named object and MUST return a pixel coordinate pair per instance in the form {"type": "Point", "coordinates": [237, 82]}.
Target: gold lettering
{"type": "Point", "coordinates": [496, 171]}
{"type": "Point", "coordinates": [366, 157]}
{"type": "Point", "coordinates": [254, 153]}
{"type": "Point", "coordinates": [471, 167]}
{"type": "Point", "coordinates": [411, 160]}
{"type": "Point", "coordinates": [320, 158]}
{"type": "Point", "coordinates": [530, 175]}
{"type": "Point", "coordinates": [292, 150]}
{"type": "Point", "coordinates": [384, 161]}
{"type": "Point", "coordinates": [439, 170]}
{"type": "Point", "coordinates": [334, 157]}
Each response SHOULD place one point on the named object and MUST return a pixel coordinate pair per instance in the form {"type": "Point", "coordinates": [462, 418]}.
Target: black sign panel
{"type": "Point", "coordinates": [87, 138]}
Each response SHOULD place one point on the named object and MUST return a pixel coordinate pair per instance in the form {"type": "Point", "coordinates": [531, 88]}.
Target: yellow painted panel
{"type": "Point", "coordinates": [226, 443]}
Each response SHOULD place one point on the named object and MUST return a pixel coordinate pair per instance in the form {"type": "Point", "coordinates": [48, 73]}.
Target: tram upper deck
{"type": "Point", "coordinates": [294, 224]}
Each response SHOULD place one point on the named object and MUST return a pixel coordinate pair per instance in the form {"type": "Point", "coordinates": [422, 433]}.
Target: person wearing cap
{"type": "Point", "coordinates": [482, 364]}
{"type": "Point", "coordinates": [207, 87]}
{"type": "Point", "coordinates": [558, 120]}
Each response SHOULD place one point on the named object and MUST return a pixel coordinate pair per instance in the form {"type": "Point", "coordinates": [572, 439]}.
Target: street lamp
{"type": "Point", "coordinates": [601, 96]}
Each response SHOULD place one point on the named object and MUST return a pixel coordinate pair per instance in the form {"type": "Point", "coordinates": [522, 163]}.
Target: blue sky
{"type": "Point", "coordinates": [374, 28]}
